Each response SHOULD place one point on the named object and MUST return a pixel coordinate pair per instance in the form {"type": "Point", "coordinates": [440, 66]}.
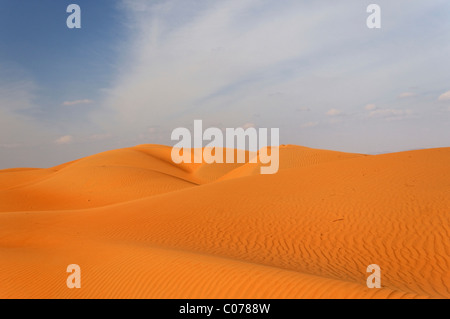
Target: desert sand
{"type": "Point", "coordinates": [141, 226]}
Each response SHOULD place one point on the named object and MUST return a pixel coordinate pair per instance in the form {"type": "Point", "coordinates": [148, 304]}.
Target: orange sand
{"type": "Point", "coordinates": [140, 226]}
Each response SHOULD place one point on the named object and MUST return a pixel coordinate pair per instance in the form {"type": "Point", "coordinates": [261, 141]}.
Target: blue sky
{"type": "Point", "coordinates": [34, 39]}
{"type": "Point", "coordinates": [138, 69]}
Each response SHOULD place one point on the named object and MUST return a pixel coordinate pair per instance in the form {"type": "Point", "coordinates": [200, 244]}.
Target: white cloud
{"type": "Point", "coordinates": [406, 95]}
{"type": "Point", "coordinates": [391, 114]}
{"type": "Point", "coordinates": [219, 56]}
{"type": "Point", "coordinates": [370, 107]}
{"type": "Point", "coordinates": [248, 125]}
{"type": "Point", "coordinates": [76, 102]}
{"type": "Point", "coordinates": [66, 139]}
{"type": "Point", "coordinates": [333, 112]}
{"type": "Point", "coordinates": [224, 61]}
{"type": "Point", "coordinates": [444, 96]}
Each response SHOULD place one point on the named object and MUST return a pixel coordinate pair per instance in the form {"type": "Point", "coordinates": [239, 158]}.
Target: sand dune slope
{"type": "Point", "coordinates": [292, 156]}
{"type": "Point", "coordinates": [10, 178]}
{"type": "Point", "coordinates": [103, 179]}
{"type": "Point", "coordinates": [309, 231]}
{"type": "Point", "coordinates": [98, 180]}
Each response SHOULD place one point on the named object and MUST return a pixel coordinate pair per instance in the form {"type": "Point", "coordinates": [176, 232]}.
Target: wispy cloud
{"type": "Point", "coordinates": [66, 139]}
{"type": "Point", "coordinates": [444, 96]}
{"type": "Point", "coordinates": [333, 112]}
{"type": "Point", "coordinates": [391, 114]}
{"type": "Point", "coordinates": [406, 95]}
{"type": "Point", "coordinates": [248, 125]}
{"type": "Point", "coordinates": [219, 59]}
{"type": "Point", "coordinates": [77, 102]}
{"type": "Point", "coordinates": [228, 60]}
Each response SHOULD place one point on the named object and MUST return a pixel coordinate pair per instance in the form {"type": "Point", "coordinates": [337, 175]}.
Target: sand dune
{"type": "Point", "coordinates": [291, 156]}
{"type": "Point", "coordinates": [140, 226]}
